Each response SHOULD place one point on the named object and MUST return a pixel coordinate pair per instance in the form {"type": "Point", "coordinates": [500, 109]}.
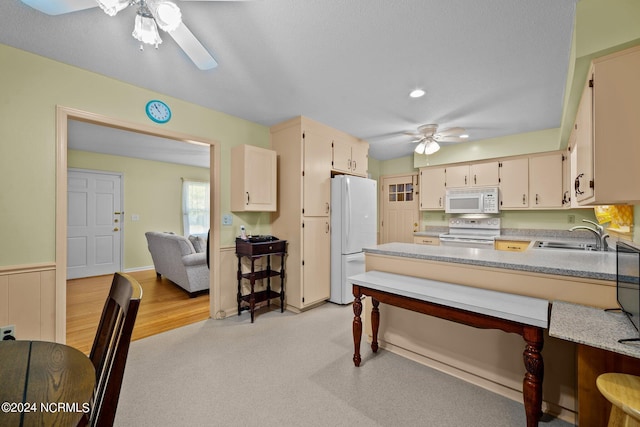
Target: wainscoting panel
{"type": "Point", "coordinates": [28, 300]}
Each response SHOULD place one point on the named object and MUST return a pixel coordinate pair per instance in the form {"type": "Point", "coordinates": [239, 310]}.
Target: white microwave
{"type": "Point", "coordinates": [472, 200]}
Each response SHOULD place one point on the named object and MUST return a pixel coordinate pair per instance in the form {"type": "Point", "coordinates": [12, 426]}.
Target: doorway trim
{"type": "Point", "coordinates": [63, 115]}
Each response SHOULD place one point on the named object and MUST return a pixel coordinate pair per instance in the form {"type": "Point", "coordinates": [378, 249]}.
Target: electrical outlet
{"type": "Point", "coordinates": [227, 219]}
{"type": "Point", "coordinates": [571, 219]}
{"type": "Point", "coordinates": [8, 333]}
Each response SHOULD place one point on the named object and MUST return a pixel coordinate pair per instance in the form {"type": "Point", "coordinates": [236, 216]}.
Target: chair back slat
{"type": "Point", "coordinates": [111, 346]}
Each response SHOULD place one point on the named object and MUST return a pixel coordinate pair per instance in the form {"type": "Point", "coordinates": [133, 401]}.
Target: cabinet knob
{"type": "Point", "coordinates": [327, 207]}
{"type": "Point", "coordinates": [248, 198]}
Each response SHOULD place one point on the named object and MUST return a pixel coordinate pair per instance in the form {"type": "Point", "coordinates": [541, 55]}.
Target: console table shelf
{"type": "Point", "coordinates": [255, 248]}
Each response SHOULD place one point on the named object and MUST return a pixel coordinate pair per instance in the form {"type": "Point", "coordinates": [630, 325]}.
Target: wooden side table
{"type": "Point", "coordinates": [255, 248]}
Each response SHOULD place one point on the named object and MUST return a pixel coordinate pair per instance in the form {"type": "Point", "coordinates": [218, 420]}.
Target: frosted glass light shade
{"type": "Point", "coordinates": [111, 7]}
{"type": "Point", "coordinates": [146, 30]}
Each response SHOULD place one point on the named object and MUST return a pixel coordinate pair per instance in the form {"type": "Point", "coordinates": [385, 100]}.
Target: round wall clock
{"type": "Point", "coordinates": [158, 111]}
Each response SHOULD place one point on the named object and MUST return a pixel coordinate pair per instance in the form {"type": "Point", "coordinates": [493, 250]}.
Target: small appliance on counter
{"type": "Point", "coordinates": [628, 284]}
{"type": "Point", "coordinates": [353, 227]}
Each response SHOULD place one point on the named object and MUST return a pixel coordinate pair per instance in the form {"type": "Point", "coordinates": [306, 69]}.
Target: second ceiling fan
{"type": "Point", "coordinates": [428, 137]}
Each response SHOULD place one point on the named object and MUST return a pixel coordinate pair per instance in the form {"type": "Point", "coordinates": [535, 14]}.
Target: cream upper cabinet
{"type": "Point", "coordinates": [316, 176]}
{"type": "Point", "coordinates": [474, 175]}
{"type": "Point", "coordinates": [253, 179]}
{"type": "Point", "coordinates": [457, 176]}
{"type": "Point", "coordinates": [432, 188]}
{"type": "Point", "coordinates": [514, 183]}
{"type": "Point", "coordinates": [484, 174]}
{"type": "Point", "coordinates": [546, 180]}
{"type": "Point", "coordinates": [350, 155]}
{"type": "Point", "coordinates": [607, 127]}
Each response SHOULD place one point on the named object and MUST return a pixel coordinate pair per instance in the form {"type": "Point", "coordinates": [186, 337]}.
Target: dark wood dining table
{"type": "Point", "coordinates": [44, 384]}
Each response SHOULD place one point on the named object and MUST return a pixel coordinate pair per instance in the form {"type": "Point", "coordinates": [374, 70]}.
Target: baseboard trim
{"type": "Point", "coordinates": [136, 269]}
{"type": "Point", "coordinates": [562, 413]}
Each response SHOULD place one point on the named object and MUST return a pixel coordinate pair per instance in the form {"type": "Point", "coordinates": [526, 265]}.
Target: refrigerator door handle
{"type": "Point", "coordinates": [348, 219]}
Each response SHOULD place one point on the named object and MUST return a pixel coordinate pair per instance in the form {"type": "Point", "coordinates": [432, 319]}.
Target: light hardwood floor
{"type": "Point", "coordinates": [164, 306]}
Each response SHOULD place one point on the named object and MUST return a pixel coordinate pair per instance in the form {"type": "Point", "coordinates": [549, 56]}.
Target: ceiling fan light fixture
{"type": "Point", "coordinates": [111, 7]}
{"type": "Point", "coordinates": [464, 136]}
{"type": "Point", "coordinates": [146, 30]}
{"type": "Point", "coordinates": [420, 148]}
{"type": "Point", "coordinates": [166, 13]}
{"type": "Point", "coordinates": [431, 147]}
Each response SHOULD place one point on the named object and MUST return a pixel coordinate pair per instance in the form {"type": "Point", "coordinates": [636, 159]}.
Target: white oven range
{"type": "Point", "coordinates": [470, 232]}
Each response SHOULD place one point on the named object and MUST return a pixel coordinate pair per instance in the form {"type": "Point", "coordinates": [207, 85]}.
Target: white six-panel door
{"type": "Point", "coordinates": [94, 223]}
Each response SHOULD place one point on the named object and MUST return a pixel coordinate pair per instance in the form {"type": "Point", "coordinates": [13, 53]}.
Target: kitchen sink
{"type": "Point", "coordinates": [543, 244]}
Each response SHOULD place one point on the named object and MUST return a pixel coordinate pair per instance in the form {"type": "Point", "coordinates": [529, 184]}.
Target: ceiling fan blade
{"type": "Point", "coordinates": [218, 0]}
{"type": "Point", "coordinates": [58, 7]}
{"type": "Point", "coordinates": [193, 48]}
{"type": "Point", "coordinates": [451, 132]}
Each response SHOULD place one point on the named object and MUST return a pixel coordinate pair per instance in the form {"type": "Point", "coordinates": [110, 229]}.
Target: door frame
{"type": "Point", "coordinates": [63, 115]}
{"type": "Point", "coordinates": [122, 227]}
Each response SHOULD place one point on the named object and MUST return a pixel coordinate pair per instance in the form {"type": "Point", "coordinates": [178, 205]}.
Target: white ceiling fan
{"type": "Point", "coordinates": [428, 137]}
{"type": "Point", "coordinates": [150, 15]}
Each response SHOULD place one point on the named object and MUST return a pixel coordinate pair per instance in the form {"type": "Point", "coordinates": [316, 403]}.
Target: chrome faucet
{"type": "Point", "coordinates": [601, 236]}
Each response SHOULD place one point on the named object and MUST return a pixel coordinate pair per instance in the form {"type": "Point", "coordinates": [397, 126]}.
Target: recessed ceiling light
{"type": "Point", "coordinates": [416, 93]}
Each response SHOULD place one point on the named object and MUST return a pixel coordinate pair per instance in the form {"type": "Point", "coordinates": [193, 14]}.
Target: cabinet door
{"type": "Point", "coordinates": [584, 146]}
{"type": "Point", "coordinates": [316, 268]}
{"type": "Point", "coordinates": [545, 181]}
{"type": "Point", "coordinates": [484, 174]}
{"type": "Point", "coordinates": [341, 155]}
{"type": "Point", "coordinates": [316, 175]}
{"type": "Point", "coordinates": [432, 188]}
{"type": "Point", "coordinates": [457, 176]}
{"type": "Point", "coordinates": [514, 183]}
{"type": "Point", "coordinates": [360, 158]}
{"type": "Point", "coordinates": [253, 179]}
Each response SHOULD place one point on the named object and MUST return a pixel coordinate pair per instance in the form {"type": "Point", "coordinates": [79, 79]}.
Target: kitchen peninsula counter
{"type": "Point", "coordinates": [488, 358]}
{"type": "Point", "coordinates": [573, 263]}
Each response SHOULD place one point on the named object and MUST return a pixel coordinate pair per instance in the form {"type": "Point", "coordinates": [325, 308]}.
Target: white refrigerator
{"type": "Point", "coordinates": [353, 227]}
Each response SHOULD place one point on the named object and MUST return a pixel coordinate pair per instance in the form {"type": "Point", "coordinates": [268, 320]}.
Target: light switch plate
{"type": "Point", "coordinates": [227, 219]}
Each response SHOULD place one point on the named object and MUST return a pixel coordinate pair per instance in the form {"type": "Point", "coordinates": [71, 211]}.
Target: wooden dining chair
{"type": "Point", "coordinates": [111, 346]}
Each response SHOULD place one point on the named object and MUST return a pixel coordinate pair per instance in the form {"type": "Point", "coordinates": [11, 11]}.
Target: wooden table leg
{"type": "Point", "coordinates": [375, 324]}
{"type": "Point", "coordinates": [357, 324]}
{"type": "Point", "coordinates": [532, 384]}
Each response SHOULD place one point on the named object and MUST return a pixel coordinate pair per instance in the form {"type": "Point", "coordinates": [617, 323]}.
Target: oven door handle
{"type": "Point", "coordinates": [456, 240]}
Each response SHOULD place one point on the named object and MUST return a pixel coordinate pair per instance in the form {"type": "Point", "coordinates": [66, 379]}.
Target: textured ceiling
{"type": "Point", "coordinates": [494, 67]}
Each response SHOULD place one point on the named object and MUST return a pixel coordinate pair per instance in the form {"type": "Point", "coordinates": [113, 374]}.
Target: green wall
{"type": "Point", "coordinates": [32, 86]}
{"type": "Point", "coordinates": [152, 190]}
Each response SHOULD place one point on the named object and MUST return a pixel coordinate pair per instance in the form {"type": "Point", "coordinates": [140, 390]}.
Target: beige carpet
{"type": "Point", "coordinates": [294, 370]}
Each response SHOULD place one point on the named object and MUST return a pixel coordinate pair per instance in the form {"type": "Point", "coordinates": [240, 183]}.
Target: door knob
{"type": "Point", "coordinates": [116, 229]}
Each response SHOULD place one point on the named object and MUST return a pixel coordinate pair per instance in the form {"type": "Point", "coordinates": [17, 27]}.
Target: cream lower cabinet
{"type": "Point", "coordinates": [316, 262]}
{"type": "Point", "coordinates": [253, 179]}
{"type": "Point", "coordinates": [432, 188]}
{"type": "Point", "coordinates": [303, 218]}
